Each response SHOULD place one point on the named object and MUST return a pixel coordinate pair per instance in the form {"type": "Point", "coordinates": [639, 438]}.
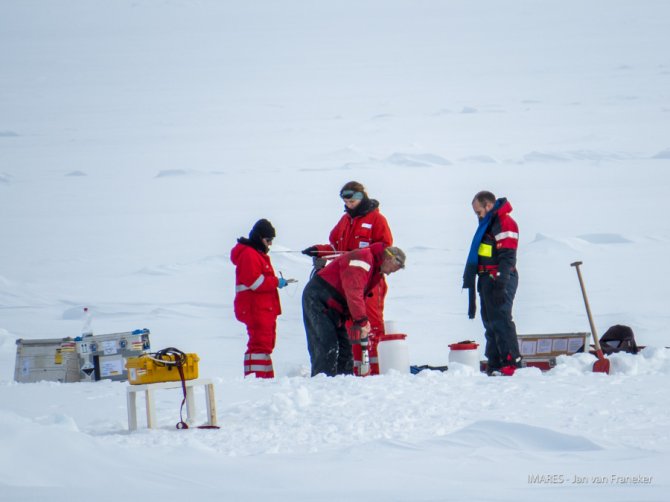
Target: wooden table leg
{"type": "Point", "coordinates": [211, 403]}
{"type": "Point", "coordinates": [190, 405]}
{"type": "Point", "coordinates": [151, 409]}
{"type": "Point", "coordinates": [132, 410]}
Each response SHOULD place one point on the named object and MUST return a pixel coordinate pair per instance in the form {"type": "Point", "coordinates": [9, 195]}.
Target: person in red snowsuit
{"type": "Point", "coordinates": [336, 294]}
{"type": "Point", "coordinates": [256, 297]}
{"type": "Point", "coordinates": [361, 225]}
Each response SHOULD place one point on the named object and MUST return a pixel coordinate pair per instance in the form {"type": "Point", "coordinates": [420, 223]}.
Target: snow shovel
{"type": "Point", "coordinates": [602, 365]}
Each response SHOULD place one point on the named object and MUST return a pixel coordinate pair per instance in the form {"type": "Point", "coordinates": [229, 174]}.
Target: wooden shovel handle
{"type": "Point", "coordinates": [588, 309]}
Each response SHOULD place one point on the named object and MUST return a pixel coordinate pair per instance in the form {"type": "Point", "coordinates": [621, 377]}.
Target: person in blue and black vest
{"type": "Point", "coordinates": [492, 261]}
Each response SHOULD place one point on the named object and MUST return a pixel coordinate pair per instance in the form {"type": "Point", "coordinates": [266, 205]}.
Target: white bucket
{"type": "Point", "coordinates": [393, 354]}
{"type": "Point", "coordinates": [464, 353]}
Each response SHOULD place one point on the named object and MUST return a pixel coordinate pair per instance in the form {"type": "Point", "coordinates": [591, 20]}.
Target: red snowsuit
{"type": "Point", "coordinates": [358, 232]}
{"type": "Point", "coordinates": [256, 305]}
{"type": "Point", "coordinates": [337, 293]}
{"type": "Point", "coordinates": [353, 275]}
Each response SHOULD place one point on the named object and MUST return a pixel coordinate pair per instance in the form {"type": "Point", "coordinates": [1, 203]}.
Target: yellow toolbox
{"type": "Point", "coordinates": [161, 367]}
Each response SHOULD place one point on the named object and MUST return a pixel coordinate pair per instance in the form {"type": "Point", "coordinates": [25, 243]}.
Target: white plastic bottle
{"type": "Point", "coordinates": [87, 329]}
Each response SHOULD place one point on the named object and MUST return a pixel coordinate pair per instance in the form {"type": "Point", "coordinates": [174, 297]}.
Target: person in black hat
{"type": "Point", "coordinates": [256, 297]}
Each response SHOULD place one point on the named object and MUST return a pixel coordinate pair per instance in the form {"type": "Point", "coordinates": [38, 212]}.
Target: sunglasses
{"type": "Point", "coordinates": [268, 239]}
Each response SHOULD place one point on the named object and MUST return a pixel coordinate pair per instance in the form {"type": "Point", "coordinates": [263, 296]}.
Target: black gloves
{"type": "Point", "coordinates": [498, 292]}
{"type": "Point", "coordinates": [311, 251]}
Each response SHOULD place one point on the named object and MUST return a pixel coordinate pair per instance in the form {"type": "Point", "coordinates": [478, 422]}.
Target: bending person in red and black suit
{"type": "Point", "coordinates": [336, 294]}
{"type": "Point", "coordinates": [492, 259]}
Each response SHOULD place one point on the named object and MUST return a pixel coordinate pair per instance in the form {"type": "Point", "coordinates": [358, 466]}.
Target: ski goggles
{"type": "Point", "coordinates": [351, 195]}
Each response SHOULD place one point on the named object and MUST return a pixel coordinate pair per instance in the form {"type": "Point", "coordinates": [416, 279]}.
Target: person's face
{"type": "Point", "coordinates": [390, 265]}
{"type": "Point", "coordinates": [348, 197]}
{"type": "Point", "coordinates": [481, 209]}
{"type": "Point", "coordinates": [267, 241]}
{"type": "Point", "coordinates": [351, 203]}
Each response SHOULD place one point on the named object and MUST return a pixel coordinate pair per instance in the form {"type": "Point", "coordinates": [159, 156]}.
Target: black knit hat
{"type": "Point", "coordinates": [263, 229]}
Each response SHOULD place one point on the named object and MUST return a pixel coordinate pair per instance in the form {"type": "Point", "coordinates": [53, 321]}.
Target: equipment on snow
{"type": "Point", "coordinates": [418, 369]}
{"type": "Point", "coordinates": [329, 253]}
{"type": "Point", "coordinates": [465, 352]}
{"type": "Point", "coordinates": [48, 359]}
{"type": "Point", "coordinates": [365, 358]}
{"type": "Point", "coordinates": [619, 338]}
{"type": "Point", "coordinates": [87, 329]}
{"type": "Point", "coordinates": [102, 356]}
{"type": "Point", "coordinates": [602, 365]}
{"type": "Point", "coordinates": [288, 281]}
{"type": "Point", "coordinates": [160, 367]}
{"type": "Point", "coordinates": [393, 353]}
{"type": "Point", "coordinates": [541, 350]}
{"type": "Point", "coordinates": [167, 365]}
{"type": "Point", "coordinates": [86, 358]}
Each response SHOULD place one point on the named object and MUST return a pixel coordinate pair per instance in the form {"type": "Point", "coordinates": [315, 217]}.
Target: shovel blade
{"type": "Point", "coordinates": [602, 366]}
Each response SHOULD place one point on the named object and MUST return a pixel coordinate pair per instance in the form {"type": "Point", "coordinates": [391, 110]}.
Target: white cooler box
{"type": "Point", "coordinates": [50, 359]}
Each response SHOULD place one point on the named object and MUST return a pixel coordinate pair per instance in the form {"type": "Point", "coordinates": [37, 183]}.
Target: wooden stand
{"type": "Point", "coordinates": [149, 388]}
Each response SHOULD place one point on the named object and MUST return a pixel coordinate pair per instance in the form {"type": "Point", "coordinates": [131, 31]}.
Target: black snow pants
{"type": "Point", "coordinates": [501, 340]}
{"type": "Point", "coordinates": [327, 340]}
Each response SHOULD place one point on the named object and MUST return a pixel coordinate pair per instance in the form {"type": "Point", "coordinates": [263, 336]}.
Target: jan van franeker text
{"type": "Point", "coordinates": [575, 479]}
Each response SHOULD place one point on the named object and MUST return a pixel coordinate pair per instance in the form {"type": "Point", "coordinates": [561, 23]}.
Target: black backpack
{"type": "Point", "coordinates": [618, 338]}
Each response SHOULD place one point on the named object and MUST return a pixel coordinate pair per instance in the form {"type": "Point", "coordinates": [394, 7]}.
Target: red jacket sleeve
{"type": "Point", "coordinates": [336, 234]}
{"type": "Point", "coordinates": [381, 231]}
{"type": "Point", "coordinates": [270, 283]}
{"type": "Point", "coordinates": [252, 274]}
{"type": "Point", "coordinates": [508, 237]}
{"type": "Point", "coordinates": [507, 242]}
{"type": "Point", "coordinates": [354, 277]}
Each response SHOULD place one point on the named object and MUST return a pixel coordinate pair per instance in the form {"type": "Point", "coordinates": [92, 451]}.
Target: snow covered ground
{"type": "Point", "coordinates": [139, 139]}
